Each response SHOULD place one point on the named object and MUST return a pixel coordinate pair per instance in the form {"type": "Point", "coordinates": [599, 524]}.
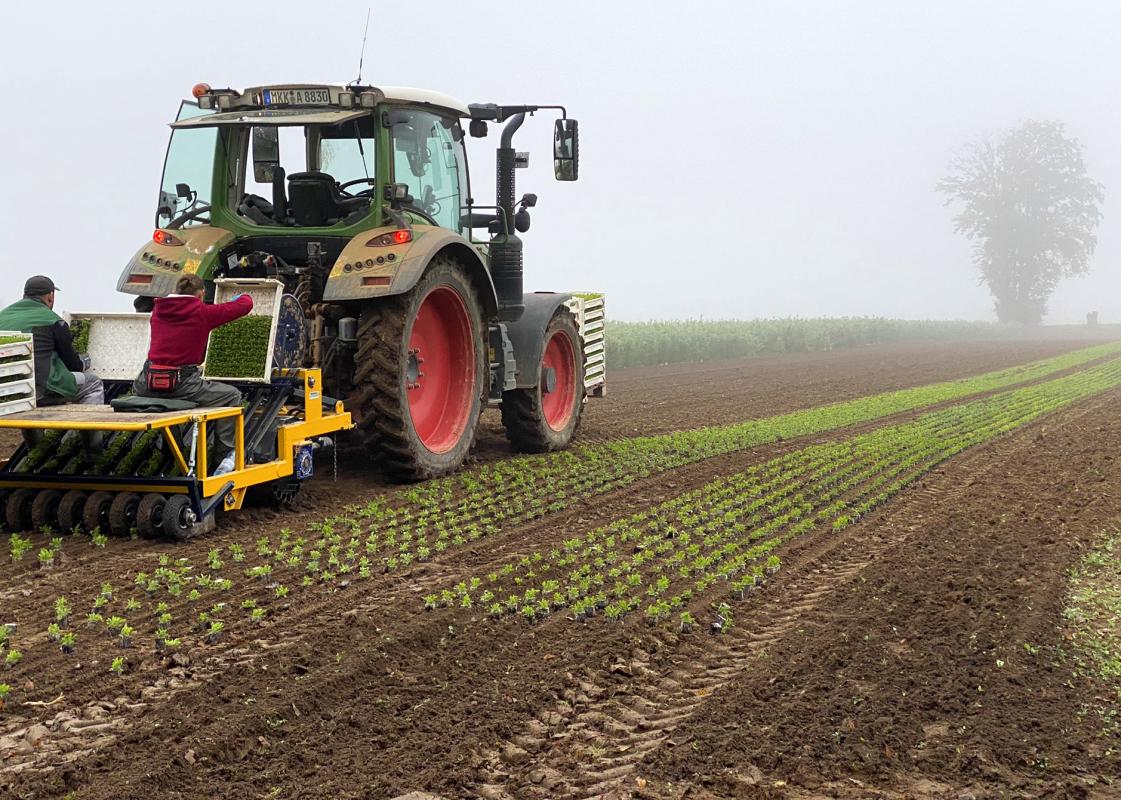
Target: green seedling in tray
{"type": "Point", "coordinates": [239, 349]}
{"type": "Point", "coordinates": [80, 331]}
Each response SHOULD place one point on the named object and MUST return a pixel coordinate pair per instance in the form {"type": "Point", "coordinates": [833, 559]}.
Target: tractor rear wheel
{"type": "Point", "coordinates": [421, 373]}
{"type": "Point", "coordinates": [17, 511]}
{"type": "Point", "coordinates": [122, 513]}
{"type": "Point", "coordinates": [546, 417]}
{"type": "Point", "coordinates": [70, 510]}
{"type": "Point", "coordinates": [44, 509]}
{"type": "Point", "coordinates": [95, 514]}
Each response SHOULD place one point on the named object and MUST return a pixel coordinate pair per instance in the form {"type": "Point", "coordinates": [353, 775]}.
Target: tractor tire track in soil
{"type": "Point", "coordinates": [600, 739]}
{"type": "Point", "coordinates": [352, 675]}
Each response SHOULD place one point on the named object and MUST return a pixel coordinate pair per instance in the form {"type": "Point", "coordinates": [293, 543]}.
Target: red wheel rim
{"type": "Point", "coordinates": [558, 395]}
{"type": "Point", "coordinates": [440, 372]}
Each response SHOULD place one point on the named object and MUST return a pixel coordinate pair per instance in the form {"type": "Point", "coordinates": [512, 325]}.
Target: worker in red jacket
{"type": "Point", "coordinates": [181, 325]}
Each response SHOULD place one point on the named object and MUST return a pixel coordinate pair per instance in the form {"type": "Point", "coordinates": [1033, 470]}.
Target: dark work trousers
{"type": "Point", "coordinates": [209, 394]}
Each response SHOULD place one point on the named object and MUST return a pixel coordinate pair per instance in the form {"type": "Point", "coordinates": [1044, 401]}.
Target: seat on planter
{"type": "Point", "coordinates": [150, 405]}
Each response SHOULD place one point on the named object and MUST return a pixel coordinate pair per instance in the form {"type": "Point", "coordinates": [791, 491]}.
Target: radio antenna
{"type": "Point", "coordinates": [362, 55]}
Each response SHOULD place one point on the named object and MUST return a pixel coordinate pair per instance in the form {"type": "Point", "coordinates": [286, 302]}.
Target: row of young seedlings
{"type": "Point", "coordinates": [421, 523]}
{"type": "Point", "coordinates": [632, 561]}
{"type": "Point", "coordinates": [728, 530]}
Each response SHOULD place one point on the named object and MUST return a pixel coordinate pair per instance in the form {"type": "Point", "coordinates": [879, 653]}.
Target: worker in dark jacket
{"type": "Point", "coordinates": [181, 324]}
{"type": "Point", "coordinates": [61, 374]}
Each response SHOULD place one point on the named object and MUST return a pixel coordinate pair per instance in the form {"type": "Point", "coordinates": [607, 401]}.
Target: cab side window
{"type": "Point", "coordinates": [427, 156]}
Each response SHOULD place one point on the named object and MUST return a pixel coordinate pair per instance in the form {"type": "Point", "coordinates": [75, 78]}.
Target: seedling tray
{"type": "Point", "coordinates": [17, 358]}
{"type": "Point", "coordinates": [266, 294]}
{"type": "Point", "coordinates": [117, 343]}
{"type": "Point", "coordinates": [15, 350]}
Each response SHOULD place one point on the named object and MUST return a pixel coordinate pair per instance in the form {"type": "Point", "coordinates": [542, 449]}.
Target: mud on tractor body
{"type": "Point", "coordinates": [357, 200]}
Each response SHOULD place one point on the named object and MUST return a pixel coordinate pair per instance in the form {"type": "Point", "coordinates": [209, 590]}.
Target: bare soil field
{"type": "Point", "coordinates": [905, 641]}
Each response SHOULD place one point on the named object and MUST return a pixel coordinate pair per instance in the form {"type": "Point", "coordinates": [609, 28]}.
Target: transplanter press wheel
{"type": "Point", "coordinates": [95, 515]}
{"type": "Point", "coordinates": [44, 509]}
{"type": "Point", "coordinates": [17, 511]}
{"type": "Point", "coordinates": [70, 509]}
{"type": "Point", "coordinates": [179, 521]}
{"type": "Point", "coordinates": [421, 371]}
{"type": "Point", "coordinates": [149, 515]}
{"type": "Point", "coordinates": [122, 513]}
{"type": "Point", "coordinates": [547, 416]}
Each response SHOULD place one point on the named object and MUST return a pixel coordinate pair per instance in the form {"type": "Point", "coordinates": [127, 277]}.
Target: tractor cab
{"type": "Point", "coordinates": [280, 165]}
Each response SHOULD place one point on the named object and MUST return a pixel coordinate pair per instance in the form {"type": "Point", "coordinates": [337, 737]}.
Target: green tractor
{"type": "Point", "coordinates": [358, 200]}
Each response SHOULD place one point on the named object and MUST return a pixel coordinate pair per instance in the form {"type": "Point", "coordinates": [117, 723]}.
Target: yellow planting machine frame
{"type": "Point", "coordinates": [178, 506]}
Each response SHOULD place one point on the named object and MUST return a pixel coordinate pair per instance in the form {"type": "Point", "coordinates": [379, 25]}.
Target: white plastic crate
{"type": "Point", "coordinates": [19, 350]}
{"type": "Point", "coordinates": [9, 389]}
{"type": "Point", "coordinates": [590, 313]}
{"type": "Point", "coordinates": [23, 366]}
{"type": "Point", "coordinates": [266, 294]}
{"type": "Point", "coordinates": [118, 343]}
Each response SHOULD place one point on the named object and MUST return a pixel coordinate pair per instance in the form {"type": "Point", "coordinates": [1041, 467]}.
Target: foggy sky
{"type": "Point", "coordinates": [738, 159]}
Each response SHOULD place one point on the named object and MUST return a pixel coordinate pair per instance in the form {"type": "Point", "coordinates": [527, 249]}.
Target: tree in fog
{"type": "Point", "coordinates": [1031, 212]}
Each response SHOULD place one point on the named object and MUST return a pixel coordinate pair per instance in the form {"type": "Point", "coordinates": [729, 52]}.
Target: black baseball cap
{"type": "Point", "coordinates": [38, 285]}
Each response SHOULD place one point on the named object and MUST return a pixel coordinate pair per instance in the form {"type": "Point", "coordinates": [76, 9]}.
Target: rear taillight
{"type": "Point", "coordinates": [391, 238]}
{"type": "Point", "coordinates": [166, 239]}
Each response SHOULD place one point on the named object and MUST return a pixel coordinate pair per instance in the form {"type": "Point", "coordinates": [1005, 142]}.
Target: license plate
{"type": "Point", "coordinates": [297, 97]}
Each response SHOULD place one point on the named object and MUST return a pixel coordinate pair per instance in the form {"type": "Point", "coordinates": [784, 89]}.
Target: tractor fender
{"type": "Point", "coordinates": [362, 282]}
{"type": "Point", "coordinates": [527, 333]}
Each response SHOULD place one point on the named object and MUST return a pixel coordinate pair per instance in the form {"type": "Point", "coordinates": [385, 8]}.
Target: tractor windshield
{"type": "Point", "coordinates": [313, 175]}
{"type": "Point", "coordinates": [186, 187]}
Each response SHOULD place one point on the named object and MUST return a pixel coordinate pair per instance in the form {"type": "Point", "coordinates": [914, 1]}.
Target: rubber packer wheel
{"type": "Point", "coordinates": [44, 509]}
{"type": "Point", "coordinates": [178, 519]}
{"type": "Point", "coordinates": [149, 515]}
{"type": "Point", "coordinates": [70, 509]}
{"type": "Point", "coordinates": [95, 514]}
{"type": "Point", "coordinates": [421, 374]}
{"type": "Point", "coordinates": [122, 513]}
{"type": "Point", "coordinates": [547, 416]}
{"type": "Point", "coordinates": [17, 511]}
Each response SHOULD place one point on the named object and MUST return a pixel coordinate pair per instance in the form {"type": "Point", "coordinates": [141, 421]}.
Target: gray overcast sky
{"type": "Point", "coordinates": [739, 159]}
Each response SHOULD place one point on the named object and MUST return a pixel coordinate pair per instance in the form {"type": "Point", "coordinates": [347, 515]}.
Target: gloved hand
{"type": "Point", "coordinates": [236, 296]}
{"type": "Point", "coordinates": [85, 362]}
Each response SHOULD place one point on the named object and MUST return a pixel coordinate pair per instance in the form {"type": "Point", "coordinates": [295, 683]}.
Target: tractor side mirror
{"type": "Point", "coordinates": [266, 153]}
{"type": "Point", "coordinates": [566, 150]}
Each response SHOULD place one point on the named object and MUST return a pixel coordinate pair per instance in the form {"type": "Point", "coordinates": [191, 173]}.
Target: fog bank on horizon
{"type": "Point", "coordinates": [739, 160]}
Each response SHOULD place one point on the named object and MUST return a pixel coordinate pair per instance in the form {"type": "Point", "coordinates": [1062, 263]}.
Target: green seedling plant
{"type": "Point", "coordinates": [62, 611]}
{"type": "Point", "coordinates": [18, 546]}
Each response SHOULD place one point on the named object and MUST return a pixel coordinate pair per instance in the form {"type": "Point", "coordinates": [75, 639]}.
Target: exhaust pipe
{"type": "Point", "coordinates": [506, 249]}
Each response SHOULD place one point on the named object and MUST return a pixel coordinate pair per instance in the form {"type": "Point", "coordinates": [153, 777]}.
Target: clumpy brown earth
{"type": "Point", "coordinates": [918, 653]}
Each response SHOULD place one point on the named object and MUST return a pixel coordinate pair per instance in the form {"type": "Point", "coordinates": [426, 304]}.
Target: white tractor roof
{"type": "Point", "coordinates": [407, 94]}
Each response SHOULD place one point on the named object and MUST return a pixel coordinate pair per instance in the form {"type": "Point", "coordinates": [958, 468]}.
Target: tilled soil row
{"type": "Point", "coordinates": [371, 679]}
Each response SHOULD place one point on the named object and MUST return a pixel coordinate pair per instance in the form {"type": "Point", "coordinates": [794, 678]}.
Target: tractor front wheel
{"type": "Point", "coordinates": [421, 373]}
{"type": "Point", "coordinates": [546, 416]}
